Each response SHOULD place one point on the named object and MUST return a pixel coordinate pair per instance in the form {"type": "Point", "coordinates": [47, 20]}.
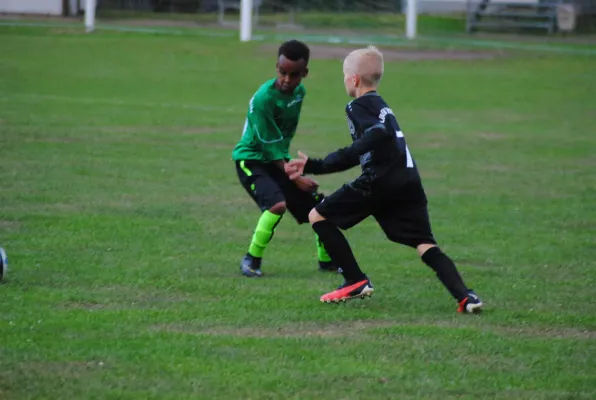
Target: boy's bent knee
{"type": "Point", "coordinates": [278, 208]}
{"type": "Point", "coordinates": [314, 216]}
{"type": "Point", "coordinates": [423, 248]}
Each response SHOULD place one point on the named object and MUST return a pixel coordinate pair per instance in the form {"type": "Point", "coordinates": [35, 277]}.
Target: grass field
{"type": "Point", "coordinates": [124, 223]}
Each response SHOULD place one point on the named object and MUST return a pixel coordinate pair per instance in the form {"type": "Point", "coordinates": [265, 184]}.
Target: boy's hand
{"type": "Point", "coordinates": [306, 184]}
{"type": "Point", "coordinates": [295, 167]}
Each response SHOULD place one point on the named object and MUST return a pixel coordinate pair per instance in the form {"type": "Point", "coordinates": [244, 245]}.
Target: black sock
{"type": "Point", "coordinates": [446, 272]}
{"type": "Point", "coordinates": [339, 250]}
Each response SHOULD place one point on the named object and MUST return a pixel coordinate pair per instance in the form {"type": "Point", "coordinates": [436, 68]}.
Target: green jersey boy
{"type": "Point", "coordinates": [261, 153]}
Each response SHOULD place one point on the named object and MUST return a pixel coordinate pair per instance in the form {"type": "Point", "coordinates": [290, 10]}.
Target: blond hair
{"type": "Point", "coordinates": [367, 64]}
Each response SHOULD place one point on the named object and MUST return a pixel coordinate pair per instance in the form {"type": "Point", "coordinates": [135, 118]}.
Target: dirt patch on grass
{"type": "Point", "coordinates": [362, 328]}
{"type": "Point", "coordinates": [66, 369]}
{"type": "Point", "coordinates": [173, 130]}
{"type": "Point", "coordinates": [526, 331]}
{"type": "Point", "coordinates": [477, 263]}
{"type": "Point", "coordinates": [124, 298]}
{"type": "Point", "coordinates": [496, 168]}
{"type": "Point", "coordinates": [433, 145]}
{"type": "Point", "coordinates": [66, 31]}
{"type": "Point", "coordinates": [555, 333]}
{"type": "Point", "coordinates": [84, 305]}
{"type": "Point", "coordinates": [585, 162]}
{"type": "Point", "coordinates": [340, 329]}
{"type": "Point", "coordinates": [235, 201]}
{"type": "Point", "coordinates": [136, 135]}
{"type": "Point", "coordinates": [492, 136]}
{"type": "Point", "coordinates": [9, 225]}
{"type": "Point", "coordinates": [330, 52]}
{"type": "Point", "coordinates": [206, 130]}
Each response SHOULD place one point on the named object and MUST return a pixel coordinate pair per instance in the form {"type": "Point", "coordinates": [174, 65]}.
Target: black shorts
{"type": "Point", "coordinates": [406, 223]}
{"type": "Point", "coordinates": [268, 185]}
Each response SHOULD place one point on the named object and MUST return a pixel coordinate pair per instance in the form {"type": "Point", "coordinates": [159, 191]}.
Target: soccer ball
{"type": "Point", "coordinates": [3, 263]}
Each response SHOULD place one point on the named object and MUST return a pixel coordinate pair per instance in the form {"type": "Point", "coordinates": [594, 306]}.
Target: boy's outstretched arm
{"type": "Point", "coordinates": [342, 159]}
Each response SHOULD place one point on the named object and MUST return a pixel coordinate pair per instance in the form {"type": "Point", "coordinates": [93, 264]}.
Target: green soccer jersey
{"type": "Point", "coordinates": [270, 124]}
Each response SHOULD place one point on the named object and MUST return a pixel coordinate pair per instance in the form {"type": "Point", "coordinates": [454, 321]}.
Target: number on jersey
{"type": "Point", "coordinates": [409, 161]}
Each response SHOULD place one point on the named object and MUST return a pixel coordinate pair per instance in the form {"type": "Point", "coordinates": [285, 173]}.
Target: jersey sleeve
{"type": "Point", "coordinates": [266, 131]}
{"type": "Point", "coordinates": [370, 134]}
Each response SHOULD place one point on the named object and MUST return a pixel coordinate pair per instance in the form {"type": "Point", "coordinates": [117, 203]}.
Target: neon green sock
{"type": "Point", "coordinates": [321, 252]}
{"type": "Point", "coordinates": [263, 233]}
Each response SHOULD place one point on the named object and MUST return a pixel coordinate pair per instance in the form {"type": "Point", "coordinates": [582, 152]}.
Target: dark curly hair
{"type": "Point", "coordinates": [294, 50]}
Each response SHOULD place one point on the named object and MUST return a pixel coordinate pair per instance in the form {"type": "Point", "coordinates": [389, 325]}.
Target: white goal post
{"type": "Point", "coordinates": [89, 15]}
{"type": "Point", "coordinates": [246, 19]}
{"type": "Point", "coordinates": [411, 17]}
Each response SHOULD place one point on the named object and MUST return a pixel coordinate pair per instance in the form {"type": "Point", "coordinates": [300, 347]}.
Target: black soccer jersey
{"type": "Point", "coordinates": [380, 148]}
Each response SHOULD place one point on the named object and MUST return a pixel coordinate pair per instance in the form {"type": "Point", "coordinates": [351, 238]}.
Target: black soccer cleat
{"type": "Point", "coordinates": [328, 266]}
{"type": "Point", "coordinates": [251, 266]}
{"type": "Point", "coordinates": [471, 304]}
